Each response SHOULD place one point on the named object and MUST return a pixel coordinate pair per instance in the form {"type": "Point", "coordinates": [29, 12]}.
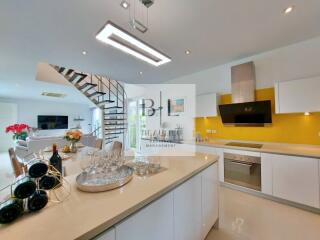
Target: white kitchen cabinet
{"type": "Point", "coordinates": [205, 149]}
{"type": "Point", "coordinates": [219, 152]}
{"type": "Point", "coordinates": [187, 210]}
{"type": "Point", "coordinates": [155, 222]}
{"type": "Point", "coordinates": [295, 178]}
{"type": "Point", "coordinates": [210, 198]}
{"type": "Point", "coordinates": [266, 173]}
{"type": "Point", "coordinates": [206, 105]}
{"type": "Point", "coordinates": [109, 234]}
{"type": "Point", "coordinates": [186, 213]}
{"type": "Point", "coordinates": [296, 96]}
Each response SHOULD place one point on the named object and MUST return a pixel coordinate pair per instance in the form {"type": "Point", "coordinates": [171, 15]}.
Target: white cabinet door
{"type": "Point", "coordinates": [155, 222]}
{"type": "Point", "coordinates": [266, 173]}
{"type": "Point", "coordinates": [296, 179]}
{"type": "Point", "coordinates": [219, 152]}
{"type": "Point", "coordinates": [110, 234]}
{"type": "Point", "coordinates": [298, 96]}
{"type": "Point", "coordinates": [187, 210]}
{"type": "Point", "coordinates": [210, 198]}
{"type": "Point", "coordinates": [206, 105]}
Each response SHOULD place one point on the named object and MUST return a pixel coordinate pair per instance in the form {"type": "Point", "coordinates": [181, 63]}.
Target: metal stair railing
{"type": "Point", "coordinates": [98, 85]}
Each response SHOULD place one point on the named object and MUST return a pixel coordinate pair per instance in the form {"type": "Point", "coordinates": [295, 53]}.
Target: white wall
{"type": "Point", "coordinates": [296, 61]}
{"type": "Point", "coordinates": [28, 111]}
{"type": "Point", "coordinates": [8, 115]}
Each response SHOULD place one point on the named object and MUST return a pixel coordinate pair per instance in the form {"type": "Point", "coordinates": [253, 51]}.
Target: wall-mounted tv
{"type": "Point", "coordinates": [52, 122]}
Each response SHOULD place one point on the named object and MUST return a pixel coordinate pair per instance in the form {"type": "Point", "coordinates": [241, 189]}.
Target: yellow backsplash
{"type": "Point", "coordinates": [285, 128]}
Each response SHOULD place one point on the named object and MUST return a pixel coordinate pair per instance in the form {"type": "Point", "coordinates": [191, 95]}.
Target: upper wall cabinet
{"type": "Point", "coordinates": [298, 96]}
{"type": "Point", "coordinates": [207, 105]}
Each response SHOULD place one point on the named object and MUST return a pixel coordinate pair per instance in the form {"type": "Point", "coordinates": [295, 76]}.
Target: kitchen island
{"type": "Point", "coordinates": [142, 209]}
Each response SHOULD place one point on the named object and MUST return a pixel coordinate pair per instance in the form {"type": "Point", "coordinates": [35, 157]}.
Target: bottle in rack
{"type": "Point", "coordinates": [37, 201]}
{"type": "Point", "coordinates": [10, 210]}
{"type": "Point", "coordinates": [56, 161]}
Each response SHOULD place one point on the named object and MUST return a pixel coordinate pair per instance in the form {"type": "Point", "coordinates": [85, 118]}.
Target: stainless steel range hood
{"type": "Point", "coordinates": [243, 83]}
{"type": "Point", "coordinates": [244, 110]}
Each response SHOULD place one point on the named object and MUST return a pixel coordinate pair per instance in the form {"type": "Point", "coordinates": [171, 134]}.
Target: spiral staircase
{"type": "Point", "coordinates": [108, 95]}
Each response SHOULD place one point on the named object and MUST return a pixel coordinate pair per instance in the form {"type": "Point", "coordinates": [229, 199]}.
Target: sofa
{"type": "Point", "coordinates": [34, 144]}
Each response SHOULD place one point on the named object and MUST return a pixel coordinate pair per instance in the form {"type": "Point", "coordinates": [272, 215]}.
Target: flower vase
{"type": "Point", "coordinates": [73, 147]}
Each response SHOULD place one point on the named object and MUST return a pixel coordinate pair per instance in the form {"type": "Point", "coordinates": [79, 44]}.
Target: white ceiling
{"type": "Point", "coordinates": [216, 32]}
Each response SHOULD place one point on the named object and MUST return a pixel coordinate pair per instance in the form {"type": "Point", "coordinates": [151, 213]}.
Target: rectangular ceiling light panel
{"type": "Point", "coordinates": [124, 41]}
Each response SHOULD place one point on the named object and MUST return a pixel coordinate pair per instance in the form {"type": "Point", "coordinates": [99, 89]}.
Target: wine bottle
{"type": "Point", "coordinates": [37, 168]}
{"type": "Point", "coordinates": [56, 161]}
{"type": "Point", "coordinates": [24, 187]}
{"type": "Point", "coordinates": [47, 182]}
{"type": "Point", "coordinates": [10, 210]}
{"type": "Point", "coordinates": [37, 201]}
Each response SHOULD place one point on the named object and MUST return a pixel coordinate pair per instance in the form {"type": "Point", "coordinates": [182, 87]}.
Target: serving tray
{"type": "Point", "coordinates": [101, 182]}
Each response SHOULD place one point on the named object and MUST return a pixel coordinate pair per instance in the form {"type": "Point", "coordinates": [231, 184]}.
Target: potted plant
{"type": "Point", "coordinates": [20, 131]}
{"type": "Point", "coordinates": [73, 136]}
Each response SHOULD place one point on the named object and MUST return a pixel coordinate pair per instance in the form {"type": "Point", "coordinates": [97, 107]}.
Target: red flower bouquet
{"type": "Point", "coordinates": [20, 131]}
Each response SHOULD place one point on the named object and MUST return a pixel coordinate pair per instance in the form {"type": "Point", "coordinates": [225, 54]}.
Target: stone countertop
{"type": "Point", "coordinates": [301, 150]}
{"type": "Point", "coordinates": [84, 215]}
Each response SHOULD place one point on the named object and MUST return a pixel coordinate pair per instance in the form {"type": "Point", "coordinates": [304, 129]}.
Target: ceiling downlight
{"type": "Point", "coordinates": [124, 4]}
{"type": "Point", "coordinates": [289, 10]}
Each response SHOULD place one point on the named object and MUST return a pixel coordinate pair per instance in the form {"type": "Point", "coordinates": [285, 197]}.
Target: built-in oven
{"type": "Point", "coordinates": [243, 169]}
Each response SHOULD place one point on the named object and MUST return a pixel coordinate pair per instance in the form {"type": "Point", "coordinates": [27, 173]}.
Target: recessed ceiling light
{"type": "Point", "coordinates": [140, 73]}
{"type": "Point", "coordinates": [84, 53]}
{"type": "Point", "coordinates": [187, 52]}
{"type": "Point", "coordinates": [288, 9]}
{"type": "Point", "coordinates": [113, 35]}
{"type": "Point", "coordinates": [124, 4]}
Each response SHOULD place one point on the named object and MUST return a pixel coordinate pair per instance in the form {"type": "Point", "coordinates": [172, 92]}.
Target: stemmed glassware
{"type": "Point", "coordinates": [100, 162]}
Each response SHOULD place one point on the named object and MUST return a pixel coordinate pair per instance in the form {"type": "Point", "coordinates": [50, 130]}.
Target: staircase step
{"type": "Point", "coordinates": [113, 133]}
{"type": "Point", "coordinates": [109, 138]}
{"type": "Point", "coordinates": [75, 76]}
{"type": "Point", "coordinates": [114, 119]}
{"type": "Point", "coordinates": [105, 101]}
{"type": "Point", "coordinates": [90, 85]}
{"type": "Point", "coordinates": [109, 113]}
{"type": "Point", "coordinates": [61, 70]}
{"type": "Point", "coordinates": [96, 94]}
{"type": "Point", "coordinates": [110, 129]}
{"type": "Point", "coordinates": [114, 107]}
{"type": "Point", "coordinates": [114, 124]}
{"type": "Point", "coordinates": [69, 72]}
{"type": "Point", "coordinates": [82, 77]}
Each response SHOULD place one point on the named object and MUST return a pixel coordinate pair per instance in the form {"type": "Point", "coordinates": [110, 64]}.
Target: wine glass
{"type": "Point", "coordinates": [86, 158]}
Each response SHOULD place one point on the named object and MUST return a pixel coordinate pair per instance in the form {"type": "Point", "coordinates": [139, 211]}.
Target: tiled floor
{"type": "Point", "coordinates": [246, 217]}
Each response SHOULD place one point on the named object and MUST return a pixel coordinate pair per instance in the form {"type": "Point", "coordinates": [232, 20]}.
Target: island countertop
{"type": "Point", "coordinates": [84, 215]}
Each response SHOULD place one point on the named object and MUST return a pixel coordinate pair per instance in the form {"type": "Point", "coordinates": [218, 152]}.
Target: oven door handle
{"type": "Point", "coordinates": [242, 163]}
